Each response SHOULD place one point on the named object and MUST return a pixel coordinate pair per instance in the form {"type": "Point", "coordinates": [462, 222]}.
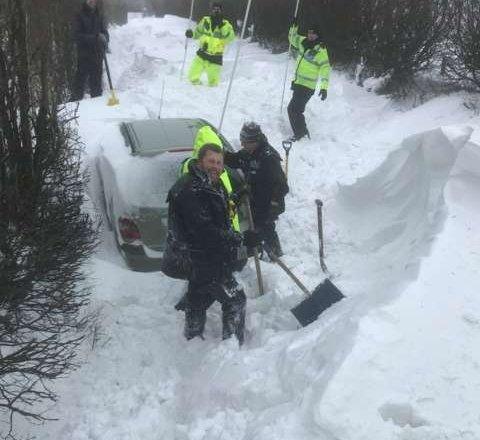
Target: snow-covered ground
{"type": "Point", "coordinates": [398, 359]}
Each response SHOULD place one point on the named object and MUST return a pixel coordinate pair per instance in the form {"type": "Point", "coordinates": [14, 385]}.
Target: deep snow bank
{"type": "Point", "coordinates": [390, 216]}
{"type": "Point", "coordinates": [412, 360]}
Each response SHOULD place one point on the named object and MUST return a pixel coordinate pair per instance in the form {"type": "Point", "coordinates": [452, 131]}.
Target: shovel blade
{"type": "Point", "coordinates": [324, 295]}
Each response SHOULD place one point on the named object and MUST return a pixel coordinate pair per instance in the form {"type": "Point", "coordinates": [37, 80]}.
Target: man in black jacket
{"type": "Point", "coordinates": [267, 183]}
{"type": "Point", "coordinates": [198, 207]}
{"type": "Point", "coordinates": [91, 37]}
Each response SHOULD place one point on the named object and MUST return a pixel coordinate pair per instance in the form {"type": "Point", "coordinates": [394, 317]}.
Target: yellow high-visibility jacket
{"type": "Point", "coordinates": [312, 64]}
{"type": "Point", "coordinates": [213, 41]}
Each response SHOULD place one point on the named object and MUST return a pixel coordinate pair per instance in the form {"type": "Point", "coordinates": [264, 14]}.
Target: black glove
{"type": "Point", "coordinates": [323, 94]}
{"type": "Point", "coordinates": [239, 194]}
{"type": "Point", "coordinates": [102, 41]}
{"type": "Point", "coordinates": [275, 210]}
{"type": "Point", "coordinates": [294, 22]}
{"type": "Point", "coordinates": [205, 46]}
{"type": "Point", "coordinates": [251, 239]}
{"type": "Point", "coordinates": [189, 33]}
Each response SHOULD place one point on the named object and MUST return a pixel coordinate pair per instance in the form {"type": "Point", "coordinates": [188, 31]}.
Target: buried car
{"type": "Point", "coordinates": [137, 164]}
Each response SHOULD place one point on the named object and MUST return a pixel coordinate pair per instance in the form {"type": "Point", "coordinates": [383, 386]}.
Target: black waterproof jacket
{"type": "Point", "coordinates": [89, 23]}
{"type": "Point", "coordinates": [266, 179]}
{"type": "Point", "coordinates": [198, 211]}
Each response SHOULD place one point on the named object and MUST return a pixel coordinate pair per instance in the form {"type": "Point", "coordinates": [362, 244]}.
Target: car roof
{"type": "Point", "coordinates": [149, 137]}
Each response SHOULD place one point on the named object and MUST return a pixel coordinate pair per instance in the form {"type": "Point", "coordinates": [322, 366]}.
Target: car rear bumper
{"type": "Point", "coordinates": [138, 260]}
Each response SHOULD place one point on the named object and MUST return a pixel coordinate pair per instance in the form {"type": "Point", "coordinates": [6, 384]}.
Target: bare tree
{"type": "Point", "coordinates": [44, 234]}
{"type": "Point", "coordinates": [462, 48]}
{"type": "Point", "coordinates": [401, 37]}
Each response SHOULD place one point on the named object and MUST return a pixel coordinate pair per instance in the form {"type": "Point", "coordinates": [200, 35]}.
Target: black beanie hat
{"type": "Point", "coordinates": [251, 132]}
{"type": "Point", "coordinates": [315, 28]}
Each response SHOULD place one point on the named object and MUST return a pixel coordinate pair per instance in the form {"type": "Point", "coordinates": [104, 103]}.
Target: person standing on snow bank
{"type": "Point", "coordinates": [213, 33]}
{"type": "Point", "coordinates": [267, 184]}
{"type": "Point", "coordinates": [198, 208]}
{"type": "Point", "coordinates": [312, 64]}
{"type": "Point", "coordinates": [91, 36]}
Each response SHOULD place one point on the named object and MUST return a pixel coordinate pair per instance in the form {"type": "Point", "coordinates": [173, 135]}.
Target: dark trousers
{"type": "Point", "coordinates": [202, 292]}
{"type": "Point", "coordinates": [296, 108]}
{"type": "Point", "coordinates": [89, 68]}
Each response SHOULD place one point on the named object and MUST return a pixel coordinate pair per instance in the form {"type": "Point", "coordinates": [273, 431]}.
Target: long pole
{"type": "Point", "coordinates": [244, 26]}
{"type": "Point", "coordinates": [186, 39]}
{"type": "Point", "coordinates": [161, 99]}
{"type": "Point", "coordinates": [288, 59]}
{"type": "Point", "coordinates": [255, 250]}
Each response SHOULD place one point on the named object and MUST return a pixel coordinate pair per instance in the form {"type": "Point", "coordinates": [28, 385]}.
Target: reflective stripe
{"type": "Point", "coordinates": [317, 64]}
{"type": "Point", "coordinates": [307, 78]}
{"type": "Point", "coordinates": [227, 184]}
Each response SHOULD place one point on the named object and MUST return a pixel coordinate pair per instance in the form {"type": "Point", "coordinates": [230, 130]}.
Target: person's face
{"type": "Point", "coordinates": [312, 35]}
{"type": "Point", "coordinates": [212, 164]}
{"type": "Point", "coordinates": [249, 146]}
{"type": "Point", "coordinates": [216, 10]}
{"type": "Point", "coordinates": [92, 3]}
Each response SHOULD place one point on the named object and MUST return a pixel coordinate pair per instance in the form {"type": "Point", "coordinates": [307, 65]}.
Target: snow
{"type": "Point", "coordinates": [397, 359]}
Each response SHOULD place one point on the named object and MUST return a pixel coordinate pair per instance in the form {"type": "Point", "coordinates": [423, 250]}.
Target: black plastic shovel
{"type": "Point", "coordinates": [322, 297]}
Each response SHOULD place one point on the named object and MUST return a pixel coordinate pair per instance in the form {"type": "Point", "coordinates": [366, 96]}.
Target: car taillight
{"type": "Point", "coordinates": [128, 229]}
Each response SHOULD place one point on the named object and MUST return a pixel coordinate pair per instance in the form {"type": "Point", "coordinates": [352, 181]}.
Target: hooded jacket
{"type": "Point", "coordinates": [312, 62]}
{"type": "Point", "coordinates": [266, 180]}
{"type": "Point", "coordinates": [89, 23]}
{"type": "Point", "coordinates": [213, 37]}
{"type": "Point", "coordinates": [199, 210]}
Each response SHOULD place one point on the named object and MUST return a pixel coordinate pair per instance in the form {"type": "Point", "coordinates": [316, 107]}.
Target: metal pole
{"type": "Point", "coordinates": [161, 99]}
{"type": "Point", "coordinates": [186, 39]}
{"type": "Point", "coordinates": [288, 59]}
{"type": "Point", "coordinates": [245, 19]}
{"type": "Point", "coordinates": [255, 250]}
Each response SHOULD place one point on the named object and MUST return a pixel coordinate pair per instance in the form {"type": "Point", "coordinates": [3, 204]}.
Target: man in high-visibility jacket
{"type": "Point", "coordinates": [213, 33]}
{"type": "Point", "coordinates": [312, 65]}
{"type": "Point", "coordinates": [207, 136]}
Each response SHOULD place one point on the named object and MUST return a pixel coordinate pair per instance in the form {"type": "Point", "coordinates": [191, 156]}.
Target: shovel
{"type": "Point", "coordinates": [287, 145]}
{"type": "Point", "coordinates": [321, 251]}
{"type": "Point", "coordinates": [255, 249]}
{"type": "Point", "coordinates": [113, 100]}
{"type": "Point", "coordinates": [322, 297]}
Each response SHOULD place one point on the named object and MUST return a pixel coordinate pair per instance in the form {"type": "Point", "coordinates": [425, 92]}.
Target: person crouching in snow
{"type": "Point", "coordinates": [213, 33]}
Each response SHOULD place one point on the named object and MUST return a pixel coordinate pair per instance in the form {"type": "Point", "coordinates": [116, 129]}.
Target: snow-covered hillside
{"type": "Point", "coordinates": [398, 359]}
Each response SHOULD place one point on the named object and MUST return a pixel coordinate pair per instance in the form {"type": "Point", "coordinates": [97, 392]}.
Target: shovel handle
{"type": "Point", "coordinates": [321, 251]}
{"type": "Point", "coordinates": [290, 274]}
{"type": "Point", "coordinates": [108, 71]}
{"type": "Point", "coordinates": [258, 269]}
{"type": "Point", "coordinates": [287, 145]}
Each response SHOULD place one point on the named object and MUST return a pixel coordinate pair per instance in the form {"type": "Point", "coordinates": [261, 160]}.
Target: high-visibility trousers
{"type": "Point", "coordinates": [199, 65]}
